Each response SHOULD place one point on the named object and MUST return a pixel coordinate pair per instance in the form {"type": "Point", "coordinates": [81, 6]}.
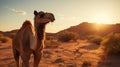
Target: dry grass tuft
{"type": "Point", "coordinates": [3, 39]}
{"type": "Point", "coordinates": [111, 44]}
{"type": "Point", "coordinates": [86, 64]}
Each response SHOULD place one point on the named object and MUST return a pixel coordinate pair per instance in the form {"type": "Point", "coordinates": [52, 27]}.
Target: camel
{"type": "Point", "coordinates": [30, 39]}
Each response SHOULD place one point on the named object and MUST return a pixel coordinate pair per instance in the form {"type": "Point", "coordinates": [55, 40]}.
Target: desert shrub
{"type": "Point", "coordinates": [95, 39]}
{"type": "Point", "coordinates": [111, 44]}
{"type": "Point", "coordinates": [51, 38]}
{"type": "Point", "coordinates": [86, 64]}
{"type": "Point", "coordinates": [3, 39]}
{"type": "Point", "coordinates": [67, 36]}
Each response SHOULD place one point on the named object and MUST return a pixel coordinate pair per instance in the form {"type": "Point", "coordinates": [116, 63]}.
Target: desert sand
{"type": "Point", "coordinates": [57, 54]}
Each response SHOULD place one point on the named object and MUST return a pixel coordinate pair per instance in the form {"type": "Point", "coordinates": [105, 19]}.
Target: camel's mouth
{"type": "Point", "coordinates": [52, 18]}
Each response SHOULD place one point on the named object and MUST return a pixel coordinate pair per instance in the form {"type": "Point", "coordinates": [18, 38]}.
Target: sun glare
{"type": "Point", "coordinates": [98, 26]}
{"type": "Point", "coordinates": [101, 19]}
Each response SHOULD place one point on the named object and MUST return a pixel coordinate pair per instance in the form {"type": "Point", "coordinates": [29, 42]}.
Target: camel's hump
{"type": "Point", "coordinates": [25, 25]}
{"type": "Point", "coordinates": [27, 22]}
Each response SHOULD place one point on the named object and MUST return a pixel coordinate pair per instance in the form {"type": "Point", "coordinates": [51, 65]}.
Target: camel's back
{"type": "Point", "coordinates": [22, 38]}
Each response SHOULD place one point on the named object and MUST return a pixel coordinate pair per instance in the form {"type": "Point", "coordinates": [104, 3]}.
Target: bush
{"type": "Point", "coordinates": [67, 36]}
{"type": "Point", "coordinates": [111, 44]}
{"type": "Point", "coordinates": [3, 39]}
{"type": "Point", "coordinates": [95, 39]}
{"type": "Point", "coordinates": [86, 64]}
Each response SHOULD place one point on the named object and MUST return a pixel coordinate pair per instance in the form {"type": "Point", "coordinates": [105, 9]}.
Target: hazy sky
{"type": "Point", "coordinates": [67, 12]}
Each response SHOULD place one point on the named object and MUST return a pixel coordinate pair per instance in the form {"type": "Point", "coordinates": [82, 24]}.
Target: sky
{"type": "Point", "coordinates": [67, 12]}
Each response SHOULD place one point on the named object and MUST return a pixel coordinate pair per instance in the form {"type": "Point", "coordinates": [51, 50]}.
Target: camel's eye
{"type": "Point", "coordinates": [41, 15]}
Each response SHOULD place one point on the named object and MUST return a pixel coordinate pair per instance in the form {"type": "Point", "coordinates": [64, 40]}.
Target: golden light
{"type": "Point", "coordinates": [98, 26]}
{"type": "Point", "coordinates": [101, 19]}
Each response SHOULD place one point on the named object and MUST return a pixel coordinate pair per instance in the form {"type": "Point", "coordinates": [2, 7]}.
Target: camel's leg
{"type": "Point", "coordinates": [37, 58]}
{"type": "Point", "coordinates": [16, 56]}
{"type": "Point", "coordinates": [25, 60]}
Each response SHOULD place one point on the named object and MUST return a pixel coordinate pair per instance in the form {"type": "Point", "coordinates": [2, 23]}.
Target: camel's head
{"type": "Point", "coordinates": [43, 17]}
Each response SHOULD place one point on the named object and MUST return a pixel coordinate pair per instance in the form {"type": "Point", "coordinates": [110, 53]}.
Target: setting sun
{"type": "Point", "coordinates": [101, 19]}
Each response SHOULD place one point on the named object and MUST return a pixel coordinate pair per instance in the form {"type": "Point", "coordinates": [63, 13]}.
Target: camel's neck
{"type": "Point", "coordinates": [40, 31]}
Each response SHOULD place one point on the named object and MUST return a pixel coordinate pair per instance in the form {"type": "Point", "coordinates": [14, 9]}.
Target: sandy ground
{"type": "Point", "coordinates": [72, 54]}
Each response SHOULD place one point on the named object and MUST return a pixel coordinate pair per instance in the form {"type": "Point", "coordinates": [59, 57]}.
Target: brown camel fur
{"type": "Point", "coordinates": [30, 40]}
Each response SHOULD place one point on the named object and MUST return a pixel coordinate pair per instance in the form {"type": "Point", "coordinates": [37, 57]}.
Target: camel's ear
{"type": "Point", "coordinates": [35, 12]}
